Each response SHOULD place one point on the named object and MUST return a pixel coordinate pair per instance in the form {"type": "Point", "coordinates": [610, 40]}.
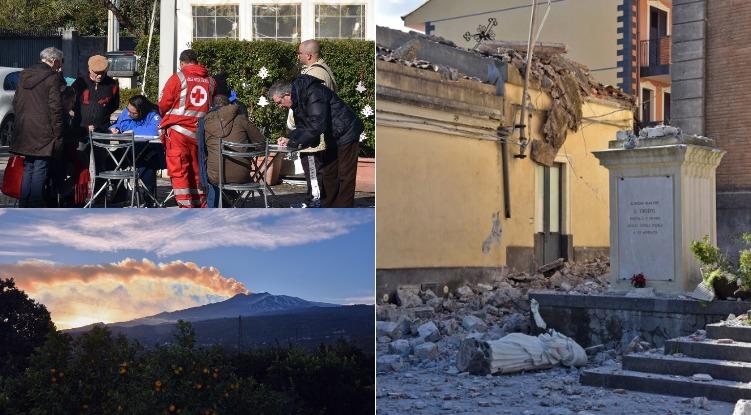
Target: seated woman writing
{"type": "Point", "coordinates": [142, 117]}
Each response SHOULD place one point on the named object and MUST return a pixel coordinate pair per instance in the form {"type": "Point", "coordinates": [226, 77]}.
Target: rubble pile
{"type": "Point", "coordinates": [419, 325]}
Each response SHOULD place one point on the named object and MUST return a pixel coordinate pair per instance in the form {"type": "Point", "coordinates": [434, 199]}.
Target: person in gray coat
{"type": "Point", "coordinates": [38, 130]}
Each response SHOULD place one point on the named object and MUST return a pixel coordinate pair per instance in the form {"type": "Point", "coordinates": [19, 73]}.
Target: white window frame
{"type": "Point", "coordinates": [365, 14]}
{"type": "Point", "coordinates": [666, 90]}
{"type": "Point", "coordinates": [301, 3]}
{"type": "Point", "coordinates": [653, 107]}
{"type": "Point", "coordinates": [659, 5]}
{"type": "Point", "coordinates": [210, 3]}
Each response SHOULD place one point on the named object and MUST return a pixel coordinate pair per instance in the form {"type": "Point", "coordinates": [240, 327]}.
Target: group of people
{"type": "Point", "coordinates": [53, 123]}
{"type": "Point", "coordinates": [195, 111]}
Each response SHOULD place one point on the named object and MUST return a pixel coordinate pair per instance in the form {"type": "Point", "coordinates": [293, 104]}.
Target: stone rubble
{"type": "Point", "coordinates": [417, 344]}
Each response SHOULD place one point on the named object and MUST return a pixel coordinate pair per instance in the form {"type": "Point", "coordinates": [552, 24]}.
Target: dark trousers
{"type": "Point", "coordinates": [35, 175]}
{"type": "Point", "coordinates": [316, 159]}
{"type": "Point", "coordinates": [57, 173]}
{"type": "Point", "coordinates": [339, 175]}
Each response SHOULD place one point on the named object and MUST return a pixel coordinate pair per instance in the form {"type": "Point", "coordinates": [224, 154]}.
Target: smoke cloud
{"type": "Point", "coordinates": [77, 295]}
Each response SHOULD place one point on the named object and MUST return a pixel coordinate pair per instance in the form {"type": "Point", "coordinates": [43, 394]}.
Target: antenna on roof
{"type": "Point", "coordinates": [523, 140]}
{"type": "Point", "coordinates": [484, 32]}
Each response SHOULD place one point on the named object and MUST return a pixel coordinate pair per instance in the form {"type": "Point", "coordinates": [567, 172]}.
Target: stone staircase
{"type": "Point", "coordinates": [724, 354]}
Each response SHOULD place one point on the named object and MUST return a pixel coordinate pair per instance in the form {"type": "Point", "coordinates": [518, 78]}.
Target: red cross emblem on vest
{"type": "Point", "coordinates": [198, 96]}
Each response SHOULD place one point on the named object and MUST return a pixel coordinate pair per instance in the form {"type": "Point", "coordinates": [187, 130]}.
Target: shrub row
{"type": "Point", "coordinates": [352, 62]}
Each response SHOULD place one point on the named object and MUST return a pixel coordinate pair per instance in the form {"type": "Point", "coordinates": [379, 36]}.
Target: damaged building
{"type": "Point", "coordinates": [468, 195]}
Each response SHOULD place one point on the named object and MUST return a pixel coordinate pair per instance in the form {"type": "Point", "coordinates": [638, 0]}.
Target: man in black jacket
{"type": "Point", "coordinates": [97, 97]}
{"type": "Point", "coordinates": [38, 131]}
{"type": "Point", "coordinates": [318, 110]}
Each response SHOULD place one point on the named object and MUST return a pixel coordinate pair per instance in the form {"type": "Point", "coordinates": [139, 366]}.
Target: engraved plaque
{"type": "Point", "coordinates": [645, 228]}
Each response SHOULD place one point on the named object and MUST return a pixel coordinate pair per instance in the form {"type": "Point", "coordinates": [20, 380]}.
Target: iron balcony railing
{"type": "Point", "coordinates": [655, 52]}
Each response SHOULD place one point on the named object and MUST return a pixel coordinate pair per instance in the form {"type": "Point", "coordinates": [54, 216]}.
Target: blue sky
{"type": "Point", "coordinates": [389, 12]}
{"type": "Point", "coordinates": [132, 262]}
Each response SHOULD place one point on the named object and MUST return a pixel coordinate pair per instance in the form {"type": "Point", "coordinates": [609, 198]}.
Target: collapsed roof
{"type": "Point", "coordinates": [567, 82]}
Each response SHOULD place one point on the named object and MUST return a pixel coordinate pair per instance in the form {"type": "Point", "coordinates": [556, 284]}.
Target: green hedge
{"type": "Point", "coordinates": [351, 61]}
{"type": "Point", "coordinates": [152, 81]}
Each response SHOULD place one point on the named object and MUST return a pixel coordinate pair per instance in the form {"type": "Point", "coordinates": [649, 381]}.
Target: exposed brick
{"type": "Point", "coordinates": [728, 89]}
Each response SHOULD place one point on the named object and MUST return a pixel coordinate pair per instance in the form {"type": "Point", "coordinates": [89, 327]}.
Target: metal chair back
{"type": "Point", "coordinates": [120, 149]}
{"type": "Point", "coordinates": [251, 152]}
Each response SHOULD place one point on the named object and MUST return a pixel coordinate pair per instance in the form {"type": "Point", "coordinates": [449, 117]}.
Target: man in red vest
{"type": "Point", "coordinates": [186, 98]}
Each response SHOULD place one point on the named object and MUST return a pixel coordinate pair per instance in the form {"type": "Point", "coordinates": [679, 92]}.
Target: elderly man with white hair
{"type": "Point", "coordinates": [38, 130]}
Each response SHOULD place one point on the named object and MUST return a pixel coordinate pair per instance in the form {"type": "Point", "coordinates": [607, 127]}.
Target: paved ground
{"type": "Point", "coordinates": [435, 388]}
{"type": "Point", "coordinates": [286, 195]}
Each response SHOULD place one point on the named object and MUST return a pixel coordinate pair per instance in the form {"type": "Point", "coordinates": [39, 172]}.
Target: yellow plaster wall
{"type": "Point", "coordinates": [437, 192]}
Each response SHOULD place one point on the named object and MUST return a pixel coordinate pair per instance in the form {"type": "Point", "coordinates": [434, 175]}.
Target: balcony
{"type": "Point", "coordinates": [654, 58]}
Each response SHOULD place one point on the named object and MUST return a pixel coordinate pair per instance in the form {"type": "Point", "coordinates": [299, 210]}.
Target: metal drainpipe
{"type": "Point", "coordinates": [504, 166]}
{"type": "Point", "coordinates": [523, 141]}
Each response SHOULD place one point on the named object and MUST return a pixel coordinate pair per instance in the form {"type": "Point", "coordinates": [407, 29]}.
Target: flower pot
{"type": "Point", "coordinates": [723, 288]}
{"type": "Point", "coordinates": [365, 181]}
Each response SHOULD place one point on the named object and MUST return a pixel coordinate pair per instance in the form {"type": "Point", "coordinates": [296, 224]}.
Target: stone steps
{"type": "Point", "coordinates": [687, 366]}
{"type": "Point", "coordinates": [710, 349]}
{"type": "Point", "coordinates": [719, 331]}
{"type": "Point", "coordinates": [725, 355]}
{"type": "Point", "coordinates": [614, 378]}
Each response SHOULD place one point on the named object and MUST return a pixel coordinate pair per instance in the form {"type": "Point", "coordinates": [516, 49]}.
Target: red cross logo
{"type": "Point", "coordinates": [198, 96]}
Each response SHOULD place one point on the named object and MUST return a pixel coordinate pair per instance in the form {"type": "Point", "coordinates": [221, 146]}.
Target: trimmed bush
{"type": "Point", "coordinates": [152, 81]}
{"type": "Point", "coordinates": [352, 61]}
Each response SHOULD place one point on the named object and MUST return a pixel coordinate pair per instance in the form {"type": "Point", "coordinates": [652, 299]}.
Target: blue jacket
{"type": "Point", "coordinates": [145, 126]}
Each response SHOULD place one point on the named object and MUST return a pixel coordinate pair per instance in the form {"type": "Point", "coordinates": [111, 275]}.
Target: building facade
{"type": "Point", "coordinates": [183, 21]}
{"type": "Point", "coordinates": [631, 48]}
{"type": "Point", "coordinates": [458, 204]}
{"type": "Point", "coordinates": [710, 80]}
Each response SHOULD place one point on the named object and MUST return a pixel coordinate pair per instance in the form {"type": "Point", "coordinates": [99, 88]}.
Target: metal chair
{"type": "Point", "coordinates": [120, 148]}
{"type": "Point", "coordinates": [251, 152]}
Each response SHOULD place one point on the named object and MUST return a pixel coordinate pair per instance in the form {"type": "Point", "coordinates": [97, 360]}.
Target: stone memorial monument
{"type": "Point", "coordinates": [662, 197]}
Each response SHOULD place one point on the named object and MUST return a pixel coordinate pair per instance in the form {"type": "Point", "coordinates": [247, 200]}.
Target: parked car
{"type": "Point", "coordinates": [9, 81]}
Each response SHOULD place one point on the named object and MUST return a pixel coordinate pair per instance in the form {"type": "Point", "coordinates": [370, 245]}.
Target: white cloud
{"type": "Point", "coordinates": [77, 295]}
{"type": "Point", "coordinates": [170, 232]}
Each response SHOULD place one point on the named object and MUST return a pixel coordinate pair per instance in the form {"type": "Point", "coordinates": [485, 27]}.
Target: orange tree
{"type": "Point", "coordinates": [97, 373]}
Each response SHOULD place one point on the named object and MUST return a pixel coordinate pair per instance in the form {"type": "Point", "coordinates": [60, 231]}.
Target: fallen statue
{"type": "Point", "coordinates": [518, 352]}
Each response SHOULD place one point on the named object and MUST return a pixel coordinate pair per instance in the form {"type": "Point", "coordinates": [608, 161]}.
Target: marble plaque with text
{"type": "Point", "coordinates": [645, 227]}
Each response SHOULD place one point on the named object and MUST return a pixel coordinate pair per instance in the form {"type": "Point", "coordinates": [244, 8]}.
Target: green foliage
{"type": "Point", "coordinates": [746, 237]}
{"type": "Point", "coordinates": [24, 325]}
{"type": "Point", "coordinates": [705, 252]}
{"type": "Point", "coordinates": [242, 60]}
{"type": "Point", "coordinates": [86, 16]}
{"type": "Point", "coordinates": [97, 373]}
{"type": "Point", "coordinates": [185, 335]}
{"type": "Point", "coordinates": [126, 94]}
{"type": "Point", "coordinates": [351, 61]}
{"type": "Point", "coordinates": [152, 76]}
{"type": "Point", "coordinates": [715, 264]}
{"type": "Point", "coordinates": [744, 268]}
{"type": "Point", "coordinates": [347, 371]}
